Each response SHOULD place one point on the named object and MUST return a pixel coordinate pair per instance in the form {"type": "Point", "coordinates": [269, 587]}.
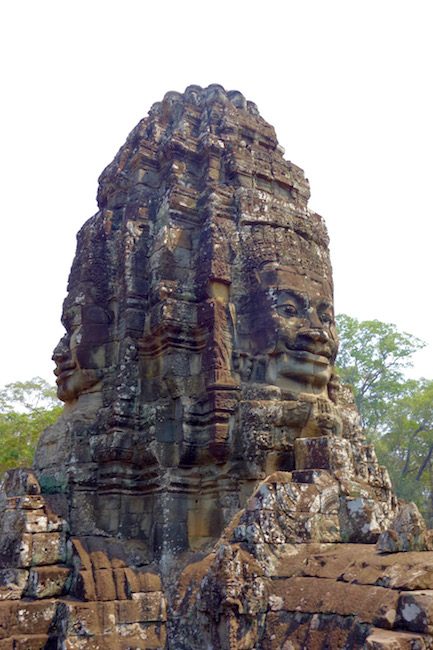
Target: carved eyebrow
{"type": "Point", "coordinates": [292, 293]}
{"type": "Point", "coordinates": [325, 304]}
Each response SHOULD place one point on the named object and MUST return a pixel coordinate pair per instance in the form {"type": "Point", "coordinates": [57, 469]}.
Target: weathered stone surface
{"type": "Point", "coordinates": [26, 642]}
{"type": "Point", "coordinates": [415, 610]}
{"type": "Point", "coordinates": [17, 483]}
{"type": "Point", "coordinates": [407, 532]}
{"type": "Point", "coordinates": [375, 605]}
{"type": "Point", "coordinates": [47, 581]}
{"type": "Point", "coordinates": [390, 640]}
{"type": "Point", "coordinates": [310, 596]}
{"type": "Point", "coordinates": [200, 336]}
{"type": "Point", "coordinates": [208, 484]}
{"type": "Point", "coordinates": [301, 631]}
{"type": "Point", "coordinates": [12, 583]}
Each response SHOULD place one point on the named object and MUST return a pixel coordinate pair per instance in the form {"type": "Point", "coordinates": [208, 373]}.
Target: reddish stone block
{"type": "Point", "coordinates": [32, 617]}
{"type": "Point", "coordinates": [104, 584]}
{"type": "Point", "coordinates": [143, 608]}
{"type": "Point", "coordinates": [80, 619]}
{"type": "Point", "coordinates": [25, 642]}
{"type": "Point", "coordinates": [84, 586]}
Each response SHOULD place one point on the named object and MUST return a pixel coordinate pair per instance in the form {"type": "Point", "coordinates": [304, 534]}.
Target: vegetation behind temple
{"type": "Point", "coordinates": [396, 412]}
{"type": "Point", "coordinates": [26, 409]}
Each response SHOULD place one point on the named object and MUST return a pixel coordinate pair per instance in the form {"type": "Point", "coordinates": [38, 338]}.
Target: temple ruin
{"type": "Point", "coordinates": [208, 484]}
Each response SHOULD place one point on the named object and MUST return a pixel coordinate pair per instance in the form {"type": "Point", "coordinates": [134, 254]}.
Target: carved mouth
{"type": "Point", "coordinates": [305, 350]}
{"type": "Point", "coordinates": [321, 356]}
{"type": "Point", "coordinates": [309, 346]}
{"type": "Point", "coordinates": [65, 370]}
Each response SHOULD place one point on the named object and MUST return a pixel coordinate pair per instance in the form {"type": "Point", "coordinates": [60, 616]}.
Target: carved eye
{"type": "Point", "coordinates": [288, 310]}
{"type": "Point", "coordinates": [326, 318]}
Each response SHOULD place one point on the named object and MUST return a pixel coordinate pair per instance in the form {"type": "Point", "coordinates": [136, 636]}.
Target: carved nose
{"type": "Point", "coordinates": [61, 351]}
{"type": "Point", "coordinates": [314, 319]}
{"type": "Point", "coordinates": [317, 334]}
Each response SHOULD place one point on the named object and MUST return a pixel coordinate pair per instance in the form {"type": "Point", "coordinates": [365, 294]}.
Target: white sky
{"type": "Point", "coordinates": [347, 85]}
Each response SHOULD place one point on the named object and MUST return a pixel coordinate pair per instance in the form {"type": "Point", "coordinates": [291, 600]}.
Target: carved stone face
{"type": "Point", "coordinates": [303, 343]}
{"type": "Point", "coordinates": [81, 355]}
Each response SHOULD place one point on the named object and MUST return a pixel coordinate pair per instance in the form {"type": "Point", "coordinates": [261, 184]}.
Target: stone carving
{"type": "Point", "coordinates": [408, 532]}
{"type": "Point", "coordinates": [200, 328]}
{"type": "Point", "coordinates": [205, 439]}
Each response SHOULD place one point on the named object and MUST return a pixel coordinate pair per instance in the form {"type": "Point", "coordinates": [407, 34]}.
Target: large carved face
{"type": "Point", "coordinates": [301, 343]}
{"type": "Point", "coordinates": [81, 355]}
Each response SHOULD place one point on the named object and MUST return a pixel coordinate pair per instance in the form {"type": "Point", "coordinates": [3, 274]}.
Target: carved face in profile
{"type": "Point", "coordinates": [81, 355]}
{"type": "Point", "coordinates": [302, 341]}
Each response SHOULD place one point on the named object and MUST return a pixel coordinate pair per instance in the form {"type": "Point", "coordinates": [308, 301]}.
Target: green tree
{"type": "Point", "coordinates": [397, 413]}
{"type": "Point", "coordinates": [26, 409]}
{"type": "Point", "coordinates": [406, 446]}
{"type": "Point", "coordinates": [372, 358]}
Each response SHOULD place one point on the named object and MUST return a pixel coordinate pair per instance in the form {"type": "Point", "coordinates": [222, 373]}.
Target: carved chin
{"type": "Point", "coordinates": [69, 387]}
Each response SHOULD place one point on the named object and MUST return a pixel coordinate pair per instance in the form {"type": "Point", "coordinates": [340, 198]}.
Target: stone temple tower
{"type": "Point", "coordinates": [200, 334]}
{"type": "Point", "coordinates": [205, 439]}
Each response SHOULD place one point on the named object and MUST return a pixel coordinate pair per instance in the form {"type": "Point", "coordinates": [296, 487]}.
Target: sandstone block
{"type": "Point", "coordinates": [143, 608]}
{"type": "Point", "coordinates": [359, 520]}
{"type": "Point", "coordinates": [393, 640]}
{"type": "Point", "coordinates": [47, 581]}
{"type": "Point", "coordinates": [100, 560]}
{"type": "Point", "coordinates": [298, 497]}
{"type": "Point", "coordinates": [78, 619]}
{"type": "Point", "coordinates": [12, 583]}
{"type": "Point", "coordinates": [25, 642]}
{"type": "Point", "coordinates": [36, 522]}
{"type": "Point", "coordinates": [121, 584]}
{"type": "Point", "coordinates": [408, 532]}
{"type": "Point", "coordinates": [148, 581]}
{"type": "Point", "coordinates": [332, 561]}
{"type": "Point", "coordinates": [415, 611]}
{"type": "Point", "coordinates": [326, 452]}
{"type": "Point", "coordinates": [300, 631]}
{"type": "Point", "coordinates": [104, 584]}
{"type": "Point", "coordinates": [321, 528]}
{"type": "Point", "coordinates": [107, 616]}
{"type": "Point", "coordinates": [28, 617]}
{"type": "Point", "coordinates": [44, 548]}
{"type": "Point", "coordinates": [125, 637]}
{"type": "Point", "coordinates": [81, 555]}
{"type": "Point", "coordinates": [25, 546]}
{"type": "Point", "coordinates": [374, 605]}
{"type": "Point", "coordinates": [26, 502]}
{"type": "Point", "coordinates": [19, 482]}
{"type": "Point", "coordinates": [83, 586]}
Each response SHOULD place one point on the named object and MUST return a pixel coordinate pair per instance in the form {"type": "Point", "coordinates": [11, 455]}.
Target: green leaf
{"type": "Point", "coordinates": [26, 409]}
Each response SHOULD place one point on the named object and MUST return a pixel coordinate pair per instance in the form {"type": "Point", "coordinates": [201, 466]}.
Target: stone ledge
{"type": "Point", "coordinates": [374, 605]}
{"type": "Point", "coordinates": [391, 640]}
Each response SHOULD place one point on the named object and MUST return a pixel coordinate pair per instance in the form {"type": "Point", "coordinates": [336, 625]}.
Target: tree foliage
{"type": "Point", "coordinates": [372, 358]}
{"type": "Point", "coordinates": [26, 409]}
{"type": "Point", "coordinates": [406, 446]}
{"type": "Point", "coordinates": [396, 412]}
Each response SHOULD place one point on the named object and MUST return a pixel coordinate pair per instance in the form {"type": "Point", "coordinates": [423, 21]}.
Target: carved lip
{"type": "Point", "coordinates": [313, 346]}
{"type": "Point", "coordinates": [65, 370]}
{"type": "Point", "coordinates": [305, 355]}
